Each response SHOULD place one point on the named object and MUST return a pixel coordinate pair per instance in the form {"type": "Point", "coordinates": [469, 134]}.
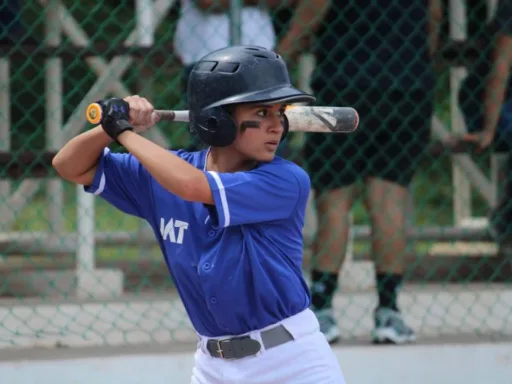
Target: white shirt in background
{"type": "Point", "coordinates": [199, 33]}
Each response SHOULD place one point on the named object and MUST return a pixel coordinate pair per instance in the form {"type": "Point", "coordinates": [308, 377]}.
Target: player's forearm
{"type": "Point", "coordinates": [172, 173]}
{"type": "Point", "coordinates": [81, 153]}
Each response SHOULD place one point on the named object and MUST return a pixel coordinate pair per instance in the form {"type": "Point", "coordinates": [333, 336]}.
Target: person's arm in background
{"type": "Point", "coordinates": [435, 18]}
{"type": "Point", "coordinates": [498, 78]}
{"type": "Point", "coordinates": [497, 83]}
{"type": "Point", "coordinates": [306, 19]}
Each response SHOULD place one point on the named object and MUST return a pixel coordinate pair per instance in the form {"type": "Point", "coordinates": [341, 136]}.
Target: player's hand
{"type": "Point", "coordinates": [141, 113]}
{"type": "Point", "coordinates": [482, 140]}
{"type": "Point", "coordinates": [115, 118]}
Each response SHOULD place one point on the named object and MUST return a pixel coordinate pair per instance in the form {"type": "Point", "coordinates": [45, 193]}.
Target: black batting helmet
{"type": "Point", "coordinates": [235, 75]}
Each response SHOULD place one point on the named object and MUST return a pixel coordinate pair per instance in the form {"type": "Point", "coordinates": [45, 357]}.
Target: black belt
{"type": "Point", "coordinates": [240, 347]}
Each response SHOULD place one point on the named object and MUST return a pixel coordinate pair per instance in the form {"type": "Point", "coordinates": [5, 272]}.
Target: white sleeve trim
{"type": "Point", "coordinates": [103, 180]}
{"type": "Point", "coordinates": [223, 198]}
{"type": "Point", "coordinates": [101, 187]}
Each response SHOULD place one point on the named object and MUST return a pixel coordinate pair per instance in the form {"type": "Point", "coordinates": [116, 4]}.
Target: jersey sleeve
{"type": "Point", "coordinates": [269, 193]}
{"type": "Point", "coordinates": [122, 181]}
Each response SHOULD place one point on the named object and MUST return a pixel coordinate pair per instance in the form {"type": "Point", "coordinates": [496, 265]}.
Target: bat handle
{"type": "Point", "coordinates": [94, 113]}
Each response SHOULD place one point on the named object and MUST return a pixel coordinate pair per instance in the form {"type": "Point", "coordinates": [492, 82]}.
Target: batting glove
{"type": "Point", "coordinates": [115, 117]}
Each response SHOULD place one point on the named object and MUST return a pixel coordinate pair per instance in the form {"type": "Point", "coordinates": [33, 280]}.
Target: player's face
{"type": "Point", "coordinates": [261, 129]}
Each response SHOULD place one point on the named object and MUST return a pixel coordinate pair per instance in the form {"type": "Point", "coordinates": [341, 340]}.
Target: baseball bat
{"type": "Point", "coordinates": [300, 118]}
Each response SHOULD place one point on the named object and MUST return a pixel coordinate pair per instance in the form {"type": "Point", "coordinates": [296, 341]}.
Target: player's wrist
{"type": "Point", "coordinates": [122, 136]}
{"type": "Point", "coordinates": [114, 128]}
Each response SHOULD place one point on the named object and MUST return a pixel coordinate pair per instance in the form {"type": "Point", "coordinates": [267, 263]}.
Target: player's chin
{"type": "Point", "coordinates": [267, 154]}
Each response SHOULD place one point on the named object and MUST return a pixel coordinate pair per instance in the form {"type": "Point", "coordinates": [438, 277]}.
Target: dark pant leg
{"type": "Point", "coordinates": [399, 133]}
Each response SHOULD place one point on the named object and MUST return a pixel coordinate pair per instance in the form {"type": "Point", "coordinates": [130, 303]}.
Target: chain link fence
{"type": "Point", "coordinates": [75, 271]}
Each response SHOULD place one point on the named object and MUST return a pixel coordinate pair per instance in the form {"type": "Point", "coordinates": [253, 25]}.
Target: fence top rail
{"type": "Point", "coordinates": [452, 52]}
{"type": "Point", "coordinates": [68, 52]}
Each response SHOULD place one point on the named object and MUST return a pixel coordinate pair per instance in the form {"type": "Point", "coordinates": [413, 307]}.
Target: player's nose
{"type": "Point", "coordinates": [276, 124]}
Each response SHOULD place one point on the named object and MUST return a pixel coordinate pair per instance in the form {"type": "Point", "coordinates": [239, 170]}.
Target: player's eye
{"type": "Point", "coordinates": [265, 113]}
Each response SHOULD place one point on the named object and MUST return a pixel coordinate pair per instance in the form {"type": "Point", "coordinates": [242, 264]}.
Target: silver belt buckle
{"type": "Point", "coordinates": [221, 352]}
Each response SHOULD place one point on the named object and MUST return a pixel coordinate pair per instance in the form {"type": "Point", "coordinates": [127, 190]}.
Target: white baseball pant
{"type": "Point", "coordinates": [308, 359]}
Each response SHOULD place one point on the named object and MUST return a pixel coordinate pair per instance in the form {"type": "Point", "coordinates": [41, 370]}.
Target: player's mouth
{"type": "Point", "coordinates": [272, 144]}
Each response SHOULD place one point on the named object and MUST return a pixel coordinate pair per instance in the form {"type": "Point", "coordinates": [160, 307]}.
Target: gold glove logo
{"type": "Point", "coordinates": [169, 229]}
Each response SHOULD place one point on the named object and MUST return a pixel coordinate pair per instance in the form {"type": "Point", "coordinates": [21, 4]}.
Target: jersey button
{"type": "Point", "coordinates": [211, 232]}
{"type": "Point", "coordinates": [213, 300]}
{"type": "Point", "coordinates": [207, 266]}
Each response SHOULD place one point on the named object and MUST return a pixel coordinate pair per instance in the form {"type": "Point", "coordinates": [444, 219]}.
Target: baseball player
{"type": "Point", "coordinates": [228, 218]}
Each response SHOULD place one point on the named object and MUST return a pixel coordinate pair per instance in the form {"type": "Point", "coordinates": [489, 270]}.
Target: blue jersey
{"type": "Point", "coordinates": [237, 264]}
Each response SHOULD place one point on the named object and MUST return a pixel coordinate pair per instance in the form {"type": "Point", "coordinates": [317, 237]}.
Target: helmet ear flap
{"type": "Point", "coordinates": [214, 126]}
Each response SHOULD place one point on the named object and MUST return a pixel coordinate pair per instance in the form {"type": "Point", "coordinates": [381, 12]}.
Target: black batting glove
{"type": "Point", "coordinates": [115, 117]}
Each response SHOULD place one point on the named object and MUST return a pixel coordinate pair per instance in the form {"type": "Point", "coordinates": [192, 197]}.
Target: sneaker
{"type": "Point", "coordinates": [328, 325]}
{"type": "Point", "coordinates": [390, 328]}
